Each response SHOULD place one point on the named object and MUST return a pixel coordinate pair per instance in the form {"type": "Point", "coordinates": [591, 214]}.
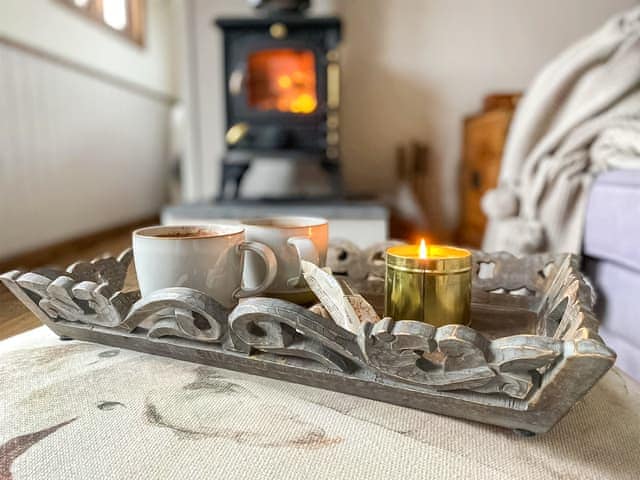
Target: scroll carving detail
{"type": "Point", "coordinates": [456, 357]}
{"type": "Point", "coordinates": [91, 293]}
{"type": "Point", "coordinates": [279, 327]}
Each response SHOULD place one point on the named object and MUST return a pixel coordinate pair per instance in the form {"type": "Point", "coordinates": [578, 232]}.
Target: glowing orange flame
{"type": "Point", "coordinates": [284, 81]}
{"type": "Point", "coordinates": [422, 251]}
{"type": "Point", "coordinates": [304, 103]}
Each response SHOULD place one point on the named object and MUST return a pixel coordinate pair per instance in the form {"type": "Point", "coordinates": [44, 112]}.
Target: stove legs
{"type": "Point", "coordinates": [232, 172]}
{"type": "Point", "coordinates": [335, 176]}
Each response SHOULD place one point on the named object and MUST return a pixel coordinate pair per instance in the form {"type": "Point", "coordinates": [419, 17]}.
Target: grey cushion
{"type": "Point", "coordinates": [612, 247]}
{"type": "Point", "coordinates": [617, 307]}
{"type": "Point", "coordinates": [612, 230]}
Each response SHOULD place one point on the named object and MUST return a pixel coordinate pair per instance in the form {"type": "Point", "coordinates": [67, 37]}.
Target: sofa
{"type": "Point", "coordinates": [612, 261]}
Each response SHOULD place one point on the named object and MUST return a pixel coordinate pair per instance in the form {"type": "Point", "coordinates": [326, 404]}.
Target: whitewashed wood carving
{"type": "Point", "coordinates": [531, 351]}
{"type": "Point", "coordinates": [455, 357]}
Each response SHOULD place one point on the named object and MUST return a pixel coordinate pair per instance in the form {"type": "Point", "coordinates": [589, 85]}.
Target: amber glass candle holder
{"type": "Point", "coordinates": [429, 284]}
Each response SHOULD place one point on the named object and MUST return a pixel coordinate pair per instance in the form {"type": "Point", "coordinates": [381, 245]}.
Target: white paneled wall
{"type": "Point", "coordinates": [78, 153]}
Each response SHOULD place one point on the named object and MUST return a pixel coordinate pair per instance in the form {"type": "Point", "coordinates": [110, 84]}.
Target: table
{"type": "Point", "coordinates": [71, 410]}
{"type": "Point", "coordinates": [362, 222]}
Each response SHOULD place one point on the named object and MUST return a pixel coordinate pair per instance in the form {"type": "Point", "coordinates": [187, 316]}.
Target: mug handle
{"type": "Point", "coordinates": [270, 262]}
{"type": "Point", "coordinates": [306, 250]}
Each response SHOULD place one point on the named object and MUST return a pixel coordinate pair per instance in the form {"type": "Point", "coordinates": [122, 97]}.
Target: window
{"type": "Point", "coordinates": [125, 17]}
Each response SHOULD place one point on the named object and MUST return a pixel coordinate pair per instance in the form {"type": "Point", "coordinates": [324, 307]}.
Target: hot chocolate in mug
{"type": "Point", "coordinates": [207, 258]}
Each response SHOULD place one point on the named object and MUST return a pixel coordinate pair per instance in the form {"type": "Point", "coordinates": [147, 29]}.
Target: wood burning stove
{"type": "Point", "coordinates": [282, 92]}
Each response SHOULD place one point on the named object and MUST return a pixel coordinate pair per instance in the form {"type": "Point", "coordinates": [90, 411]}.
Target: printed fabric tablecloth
{"type": "Point", "coordinates": [74, 410]}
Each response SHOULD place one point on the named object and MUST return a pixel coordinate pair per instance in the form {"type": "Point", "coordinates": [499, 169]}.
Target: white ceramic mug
{"type": "Point", "coordinates": [292, 239]}
{"type": "Point", "coordinates": [207, 258]}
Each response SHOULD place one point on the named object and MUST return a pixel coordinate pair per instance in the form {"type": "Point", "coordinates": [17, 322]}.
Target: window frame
{"type": "Point", "coordinates": [135, 31]}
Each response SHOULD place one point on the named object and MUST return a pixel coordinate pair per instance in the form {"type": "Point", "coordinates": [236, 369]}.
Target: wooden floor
{"type": "Point", "coordinates": [14, 317]}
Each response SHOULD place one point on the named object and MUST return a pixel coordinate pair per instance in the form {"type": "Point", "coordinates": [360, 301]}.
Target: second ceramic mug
{"type": "Point", "coordinates": [292, 239]}
{"type": "Point", "coordinates": [207, 258]}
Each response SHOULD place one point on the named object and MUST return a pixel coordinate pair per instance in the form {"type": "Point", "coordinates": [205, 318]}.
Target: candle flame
{"type": "Point", "coordinates": [422, 251]}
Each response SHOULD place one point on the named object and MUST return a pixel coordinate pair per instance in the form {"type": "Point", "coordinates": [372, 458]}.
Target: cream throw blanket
{"type": "Point", "coordinates": [580, 116]}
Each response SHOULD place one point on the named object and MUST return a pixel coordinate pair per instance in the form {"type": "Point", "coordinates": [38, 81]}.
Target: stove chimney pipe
{"type": "Point", "coordinates": [276, 7]}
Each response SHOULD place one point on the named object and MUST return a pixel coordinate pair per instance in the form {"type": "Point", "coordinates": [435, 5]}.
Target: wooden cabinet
{"type": "Point", "coordinates": [483, 142]}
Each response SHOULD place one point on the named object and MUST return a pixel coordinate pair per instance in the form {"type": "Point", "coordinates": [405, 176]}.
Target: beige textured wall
{"type": "Point", "coordinates": [415, 68]}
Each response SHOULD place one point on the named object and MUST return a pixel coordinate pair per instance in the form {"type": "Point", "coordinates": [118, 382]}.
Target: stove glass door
{"type": "Point", "coordinates": [283, 80]}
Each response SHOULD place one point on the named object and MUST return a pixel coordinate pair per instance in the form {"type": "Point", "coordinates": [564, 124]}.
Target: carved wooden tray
{"type": "Point", "coordinates": [531, 352]}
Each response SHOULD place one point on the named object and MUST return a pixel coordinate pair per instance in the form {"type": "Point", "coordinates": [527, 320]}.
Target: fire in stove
{"type": "Point", "coordinates": [283, 80]}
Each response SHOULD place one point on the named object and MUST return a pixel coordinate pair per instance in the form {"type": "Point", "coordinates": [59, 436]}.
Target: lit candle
{"type": "Point", "coordinates": [428, 283]}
